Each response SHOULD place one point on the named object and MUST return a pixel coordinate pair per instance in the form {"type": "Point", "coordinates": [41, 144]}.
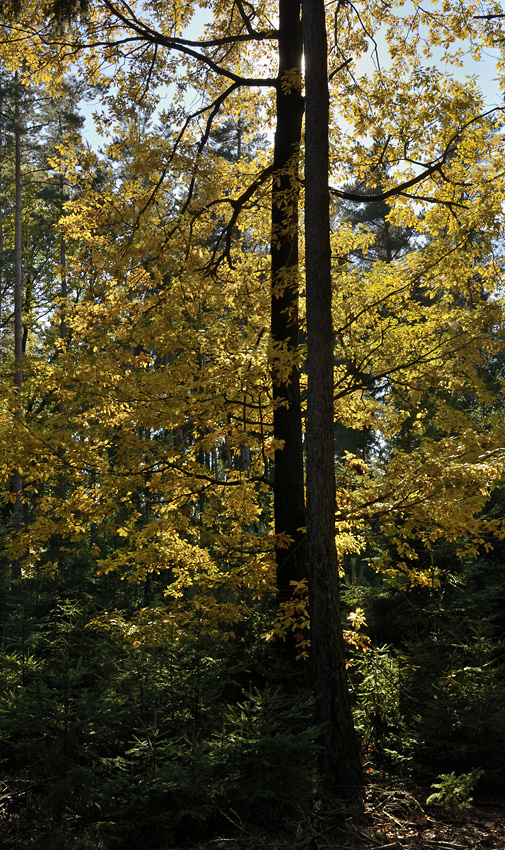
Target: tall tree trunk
{"type": "Point", "coordinates": [340, 761]}
{"type": "Point", "coordinates": [18, 316]}
{"type": "Point", "coordinates": [63, 330]}
{"type": "Point", "coordinates": [1, 222]}
{"type": "Point", "coordinates": [1, 245]}
{"type": "Point", "coordinates": [63, 258]}
{"type": "Point", "coordinates": [289, 501]}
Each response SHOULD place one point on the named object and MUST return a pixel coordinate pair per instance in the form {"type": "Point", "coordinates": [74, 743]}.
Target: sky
{"type": "Point", "coordinates": [485, 71]}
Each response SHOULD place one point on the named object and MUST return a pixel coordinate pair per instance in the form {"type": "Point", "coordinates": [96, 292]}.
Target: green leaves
{"type": "Point", "coordinates": [453, 793]}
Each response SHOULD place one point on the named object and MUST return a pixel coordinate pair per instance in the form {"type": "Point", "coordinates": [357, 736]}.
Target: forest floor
{"type": "Point", "coordinates": [395, 818]}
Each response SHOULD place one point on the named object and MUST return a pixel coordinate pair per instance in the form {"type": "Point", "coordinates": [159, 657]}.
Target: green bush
{"type": "Point", "coordinates": [378, 713]}
{"type": "Point", "coordinates": [144, 746]}
{"type": "Point", "coordinates": [267, 754]}
{"type": "Point", "coordinates": [454, 793]}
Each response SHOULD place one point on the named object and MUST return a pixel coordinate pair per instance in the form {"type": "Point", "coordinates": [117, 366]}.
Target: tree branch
{"type": "Point", "coordinates": [429, 170]}
{"type": "Point", "coordinates": [237, 206]}
{"type": "Point", "coordinates": [143, 30]}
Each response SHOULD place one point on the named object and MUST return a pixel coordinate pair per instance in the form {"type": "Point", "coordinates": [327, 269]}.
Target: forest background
{"type": "Point", "coordinates": [252, 412]}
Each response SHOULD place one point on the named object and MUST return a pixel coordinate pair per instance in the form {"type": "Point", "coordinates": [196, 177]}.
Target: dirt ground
{"type": "Point", "coordinates": [400, 819]}
{"type": "Point", "coordinates": [395, 817]}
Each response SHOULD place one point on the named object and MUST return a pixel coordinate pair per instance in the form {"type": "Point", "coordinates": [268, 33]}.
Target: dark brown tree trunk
{"type": "Point", "coordinates": [62, 478]}
{"type": "Point", "coordinates": [1, 229]}
{"type": "Point", "coordinates": [289, 501]}
{"type": "Point", "coordinates": [340, 760]}
{"type": "Point", "coordinates": [18, 317]}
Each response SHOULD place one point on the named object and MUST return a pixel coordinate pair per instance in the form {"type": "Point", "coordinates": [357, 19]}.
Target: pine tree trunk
{"type": "Point", "coordinates": [289, 501]}
{"type": "Point", "coordinates": [340, 761]}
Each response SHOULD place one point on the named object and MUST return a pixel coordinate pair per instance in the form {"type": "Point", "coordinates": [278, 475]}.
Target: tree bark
{"type": "Point", "coordinates": [63, 330]}
{"type": "Point", "coordinates": [18, 315]}
{"type": "Point", "coordinates": [340, 760]}
{"type": "Point", "coordinates": [289, 500]}
{"type": "Point", "coordinates": [1, 223]}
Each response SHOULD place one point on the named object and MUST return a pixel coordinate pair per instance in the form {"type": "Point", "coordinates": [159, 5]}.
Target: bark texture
{"type": "Point", "coordinates": [289, 502]}
{"type": "Point", "coordinates": [18, 315]}
{"type": "Point", "coordinates": [340, 760]}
